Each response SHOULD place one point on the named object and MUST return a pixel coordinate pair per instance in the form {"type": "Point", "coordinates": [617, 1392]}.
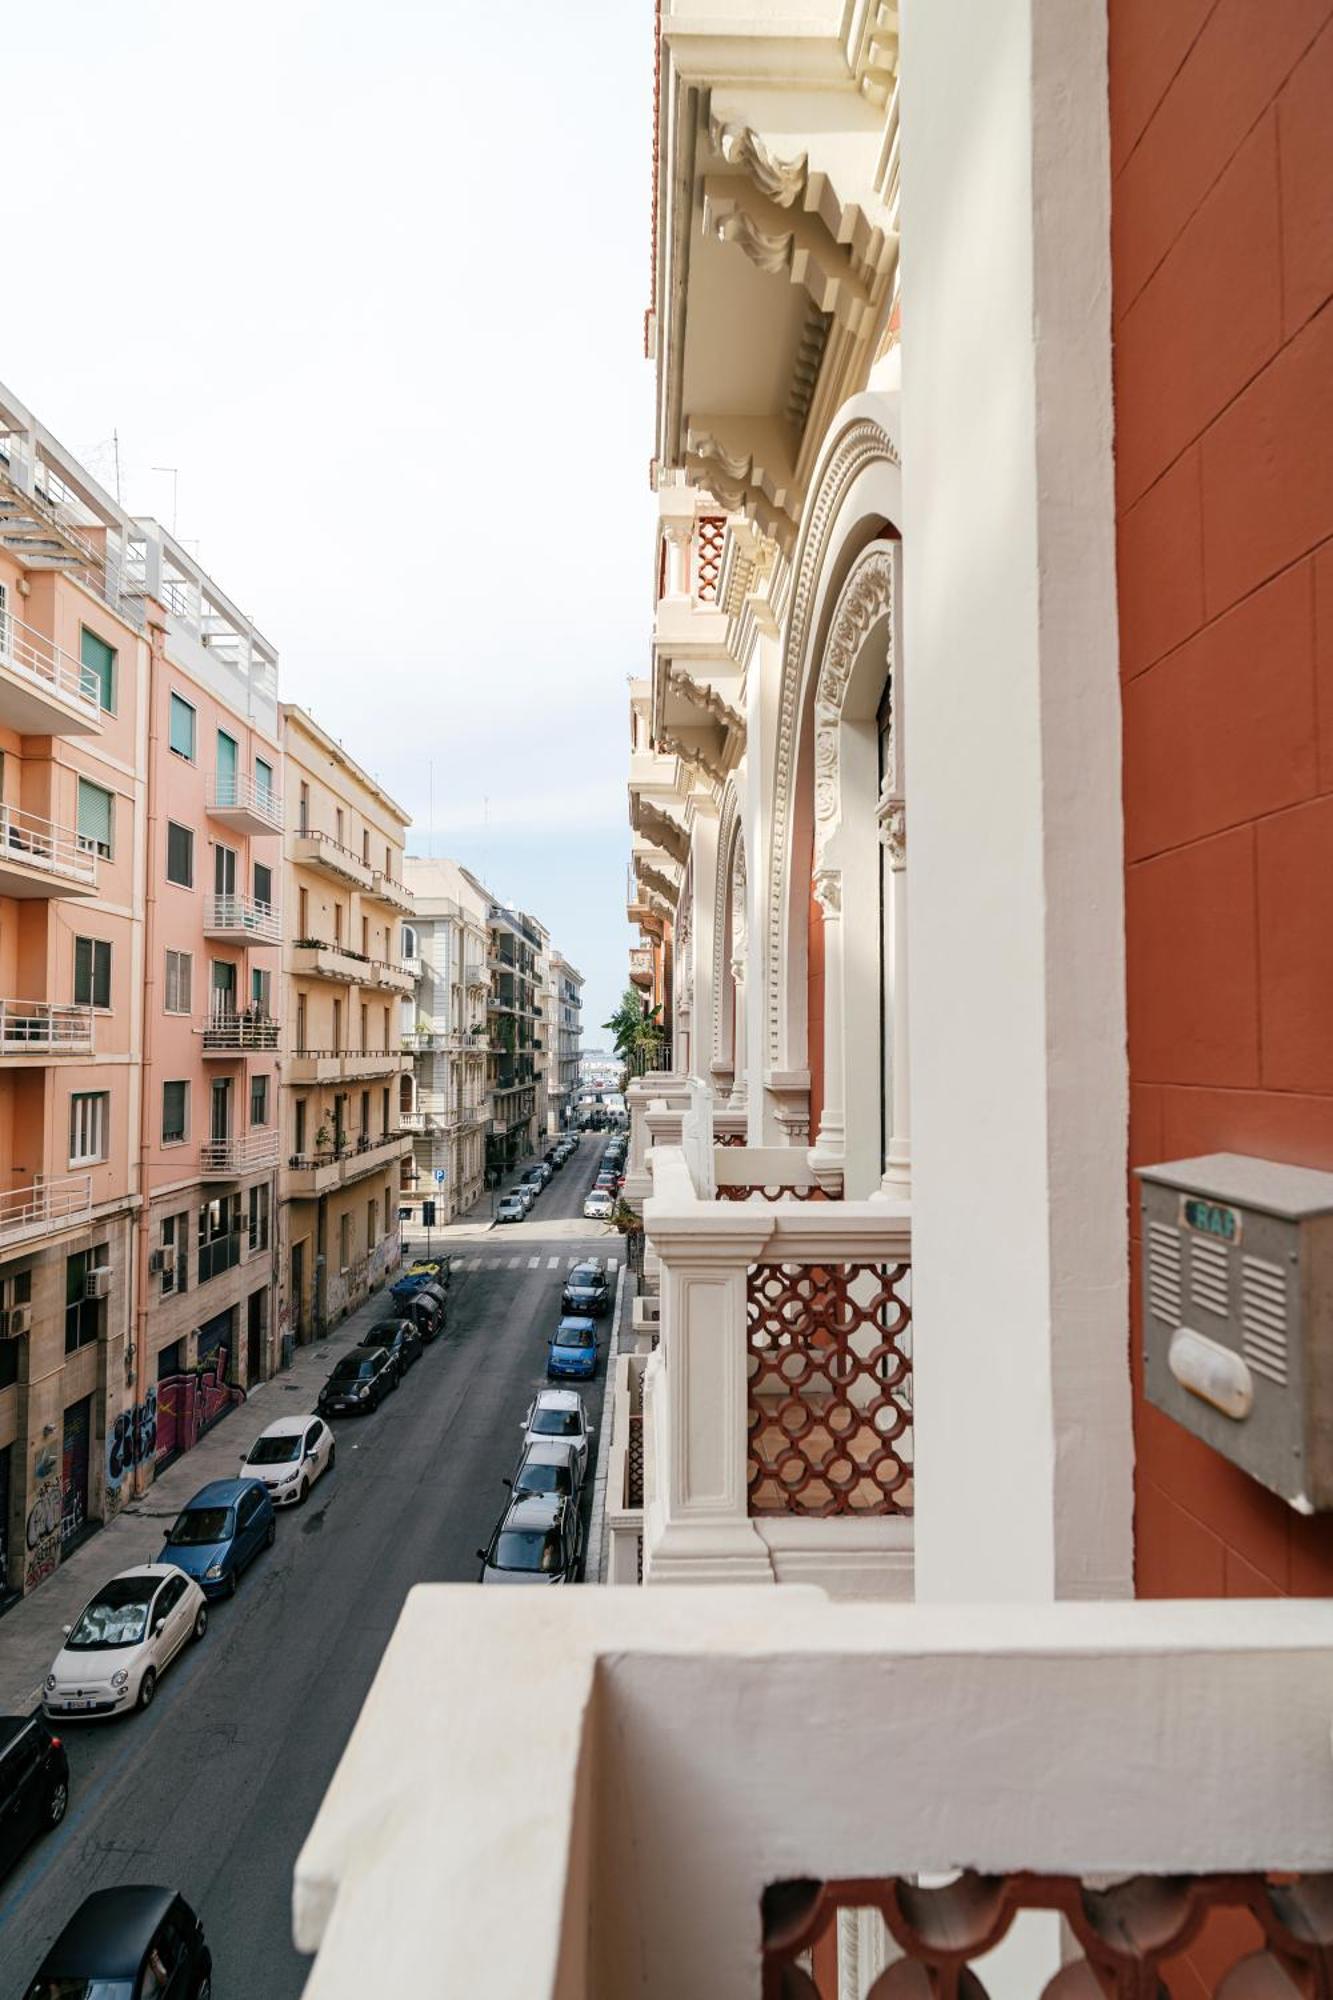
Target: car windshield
{"type": "Point", "coordinates": [349, 1369]}
{"type": "Point", "coordinates": [543, 1479]}
{"type": "Point", "coordinates": [117, 1616]}
{"type": "Point", "coordinates": [581, 1279]}
{"type": "Point", "coordinates": [275, 1450]}
{"type": "Point", "coordinates": [80, 1989]}
{"type": "Point", "coordinates": [534, 1549]}
{"type": "Point", "coordinates": [556, 1423]}
{"type": "Point", "coordinates": [198, 1526]}
{"type": "Point", "coordinates": [567, 1335]}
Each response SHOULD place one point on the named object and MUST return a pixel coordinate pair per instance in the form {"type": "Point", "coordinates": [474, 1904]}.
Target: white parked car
{"type": "Point", "coordinates": [558, 1414]}
{"type": "Point", "coordinates": [599, 1207]}
{"type": "Point", "coordinates": [289, 1457]}
{"type": "Point", "coordinates": [123, 1640]}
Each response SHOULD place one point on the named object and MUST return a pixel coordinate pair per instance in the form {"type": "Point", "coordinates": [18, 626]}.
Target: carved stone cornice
{"type": "Point", "coordinates": [656, 883]}
{"type": "Point", "coordinates": [707, 699]}
{"type": "Point", "coordinates": [659, 827]}
{"type": "Point", "coordinates": [783, 181]}
{"type": "Point", "coordinates": [704, 767]}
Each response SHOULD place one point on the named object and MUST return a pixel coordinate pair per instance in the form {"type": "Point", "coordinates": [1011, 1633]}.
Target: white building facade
{"type": "Point", "coordinates": [446, 1100]}
{"type": "Point", "coordinates": [564, 1028]}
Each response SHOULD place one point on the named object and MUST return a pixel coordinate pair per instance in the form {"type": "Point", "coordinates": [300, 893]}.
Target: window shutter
{"type": "Point", "coordinates": [94, 816]}
{"type": "Point", "coordinates": [98, 661]}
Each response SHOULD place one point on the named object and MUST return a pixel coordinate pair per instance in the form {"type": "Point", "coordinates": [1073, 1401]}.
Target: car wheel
{"type": "Point", "coordinates": [333, 1453]}
{"type": "Point", "coordinates": [304, 1493]}
{"type": "Point", "coordinates": [56, 1804]}
{"type": "Point", "coordinates": [231, 1584]}
{"type": "Point", "coordinates": [147, 1689]}
{"type": "Point", "coordinates": [270, 1534]}
{"type": "Point", "coordinates": [201, 1615]}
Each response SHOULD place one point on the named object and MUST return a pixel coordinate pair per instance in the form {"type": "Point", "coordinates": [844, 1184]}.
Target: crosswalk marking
{"type": "Point", "coordinates": [533, 1262]}
{"type": "Point", "coordinates": [514, 1263]}
{"type": "Point", "coordinates": [553, 1263]}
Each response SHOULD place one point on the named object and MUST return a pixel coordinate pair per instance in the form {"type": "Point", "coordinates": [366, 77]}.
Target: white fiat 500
{"type": "Point", "coordinates": [289, 1457]}
{"type": "Point", "coordinates": [123, 1641]}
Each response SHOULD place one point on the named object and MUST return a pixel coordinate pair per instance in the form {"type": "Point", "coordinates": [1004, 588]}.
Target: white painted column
{"type": "Point", "coordinates": [677, 534]}
{"type": "Point", "coordinates": [898, 1162]}
{"type": "Point", "coordinates": [1024, 1451]}
{"type": "Point", "coordinates": [828, 1154]}
{"type": "Point", "coordinates": [740, 1032]}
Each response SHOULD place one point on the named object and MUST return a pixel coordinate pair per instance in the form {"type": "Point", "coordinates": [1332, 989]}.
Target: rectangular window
{"type": "Point", "coordinates": [298, 1127]}
{"type": "Point", "coordinates": [372, 1213]}
{"type": "Point", "coordinates": [365, 1029]}
{"type": "Point", "coordinates": [365, 845]}
{"type": "Point", "coordinates": [180, 969]}
{"type": "Point", "coordinates": [98, 661]}
{"type": "Point", "coordinates": [344, 1240]}
{"type": "Point", "coordinates": [228, 767]}
{"type": "Point", "coordinates": [259, 1215]}
{"type": "Point", "coordinates": [224, 870]}
{"type": "Point", "coordinates": [303, 915]}
{"type": "Point", "coordinates": [180, 855]}
{"type": "Point", "coordinates": [261, 992]}
{"type": "Point", "coordinates": [263, 779]}
{"type": "Point", "coordinates": [365, 1114]}
{"type": "Point", "coordinates": [181, 735]}
{"type": "Point", "coordinates": [175, 1113]}
{"type": "Point", "coordinates": [263, 884]}
{"type": "Point", "coordinates": [92, 972]}
{"type": "Point", "coordinates": [83, 1316]}
{"type": "Point", "coordinates": [95, 818]}
{"type": "Point", "coordinates": [365, 937]}
{"type": "Point", "coordinates": [175, 1253]}
{"type": "Point", "coordinates": [88, 1120]}
{"type": "Point", "coordinates": [219, 1236]}
{"type": "Point", "coordinates": [303, 809]}
{"type": "Point", "coordinates": [300, 1024]}
{"type": "Point", "coordinates": [259, 1100]}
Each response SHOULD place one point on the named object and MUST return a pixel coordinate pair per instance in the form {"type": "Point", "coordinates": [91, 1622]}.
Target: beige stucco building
{"type": "Point", "coordinates": [343, 1058]}
{"type": "Point", "coordinates": [445, 1098]}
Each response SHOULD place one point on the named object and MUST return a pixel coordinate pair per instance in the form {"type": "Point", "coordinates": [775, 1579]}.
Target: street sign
{"type": "Point", "coordinates": [439, 1176]}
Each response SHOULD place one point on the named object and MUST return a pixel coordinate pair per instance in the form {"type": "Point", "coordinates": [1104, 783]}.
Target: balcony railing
{"type": "Point", "coordinates": [315, 958]}
{"type": "Point", "coordinates": [309, 1174]}
{"type": "Point", "coordinates": [240, 801]}
{"type": "Point", "coordinates": [44, 1028]}
{"type": "Point", "coordinates": [241, 918]}
{"type": "Point", "coordinates": [240, 1034]}
{"type": "Point", "coordinates": [36, 1210]}
{"type": "Point", "coordinates": [322, 851]}
{"type": "Point", "coordinates": [1098, 1763]}
{"type": "Point", "coordinates": [39, 858]}
{"type": "Point", "coordinates": [396, 894]}
{"type": "Point", "coordinates": [43, 691]}
{"type": "Point", "coordinates": [246, 1153]}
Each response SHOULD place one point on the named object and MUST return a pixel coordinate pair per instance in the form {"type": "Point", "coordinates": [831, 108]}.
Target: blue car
{"type": "Point", "coordinates": [572, 1354]}
{"type": "Point", "coordinates": [432, 1271]}
{"type": "Point", "coordinates": [219, 1531]}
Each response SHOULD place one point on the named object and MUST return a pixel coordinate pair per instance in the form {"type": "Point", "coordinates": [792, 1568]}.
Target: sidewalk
{"type": "Point", "coordinates": [30, 1633]}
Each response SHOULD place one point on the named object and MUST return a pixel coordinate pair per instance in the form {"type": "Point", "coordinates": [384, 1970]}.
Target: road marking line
{"type": "Point", "coordinates": [553, 1263]}
{"type": "Point", "coordinates": [533, 1262]}
{"type": "Point", "coordinates": [514, 1263]}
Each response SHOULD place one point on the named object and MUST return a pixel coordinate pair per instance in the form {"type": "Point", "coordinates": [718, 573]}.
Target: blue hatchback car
{"type": "Point", "coordinates": [219, 1531]}
{"type": "Point", "coordinates": [572, 1354]}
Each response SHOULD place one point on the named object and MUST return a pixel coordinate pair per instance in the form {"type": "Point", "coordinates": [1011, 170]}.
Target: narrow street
{"type": "Point", "coordinates": [213, 1791]}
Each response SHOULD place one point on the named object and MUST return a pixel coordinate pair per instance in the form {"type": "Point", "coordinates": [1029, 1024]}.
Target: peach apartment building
{"type": "Point", "coordinates": [73, 683]}
{"type": "Point", "coordinates": [343, 959]}
{"type": "Point", "coordinates": [206, 1307]}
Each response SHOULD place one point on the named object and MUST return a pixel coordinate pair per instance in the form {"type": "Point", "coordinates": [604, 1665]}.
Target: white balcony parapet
{"type": "Point", "coordinates": [36, 1210]}
{"type": "Point", "coordinates": [39, 858]}
{"type": "Point", "coordinates": [43, 691]}
{"type": "Point", "coordinates": [241, 917]}
{"type": "Point", "coordinates": [650, 1763]}
{"type": "Point", "coordinates": [246, 1153]}
{"type": "Point", "coordinates": [241, 1033]}
{"type": "Point", "coordinates": [45, 1028]}
{"type": "Point", "coordinates": [322, 851]}
{"type": "Point", "coordinates": [241, 801]}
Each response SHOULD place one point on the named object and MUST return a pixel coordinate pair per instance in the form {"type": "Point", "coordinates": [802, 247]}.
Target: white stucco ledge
{"type": "Point", "coordinates": [584, 1792]}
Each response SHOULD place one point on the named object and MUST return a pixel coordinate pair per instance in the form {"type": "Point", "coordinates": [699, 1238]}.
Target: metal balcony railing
{"type": "Point", "coordinates": [237, 792]}
{"type": "Point", "coordinates": [240, 1034]}
{"type": "Point", "coordinates": [45, 1027]}
{"type": "Point", "coordinates": [242, 916]}
{"type": "Point", "coordinates": [30, 842]}
{"type": "Point", "coordinates": [48, 668]}
{"type": "Point", "coordinates": [321, 850]}
{"type": "Point", "coordinates": [26, 1212]}
{"type": "Point", "coordinates": [246, 1153]}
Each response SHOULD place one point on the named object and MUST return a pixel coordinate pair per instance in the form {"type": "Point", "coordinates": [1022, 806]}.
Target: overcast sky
{"type": "Point", "coordinates": [373, 281]}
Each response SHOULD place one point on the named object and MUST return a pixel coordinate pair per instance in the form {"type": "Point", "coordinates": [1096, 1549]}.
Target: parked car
{"type": "Point", "coordinates": [540, 1540]}
{"type": "Point", "coordinates": [289, 1457]}
{"type": "Point", "coordinates": [586, 1290]}
{"type": "Point", "coordinates": [511, 1208]}
{"type": "Point", "coordinates": [527, 1192]}
{"type": "Point", "coordinates": [125, 1943]}
{"type": "Point", "coordinates": [600, 1206]}
{"type": "Point", "coordinates": [540, 1176]}
{"type": "Point", "coordinates": [425, 1271]}
{"type": "Point", "coordinates": [571, 1353]}
{"type": "Point", "coordinates": [552, 1465]}
{"type": "Point", "coordinates": [401, 1338]}
{"type": "Point", "coordinates": [558, 1413]}
{"type": "Point", "coordinates": [428, 1309]}
{"type": "Point", "coordinates": [360, 1381]}
{"type": "Point", "coordinates": [123, 1640]}
{"type": "Point", "coordinates": [219, 1532]}
{"type": "Point", "coordinates": [554, 1158]}
{"type": "Point", "coordinates": [34, 1784]}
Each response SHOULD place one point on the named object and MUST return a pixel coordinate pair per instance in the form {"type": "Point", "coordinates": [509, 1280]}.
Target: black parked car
{"type": "Point", "coordinates": [540, 1540]}
{"type": "Point", "coordinates": [427, 1309]}
{"type": "Point", "coordinates": [34, 1784]}
{"type": "Point", "coordinates": [360, 1382]}
{"type": "Point", "coordinates": [402, 1339]}
{"type": "Point", "coordinates": [586, 1291]}
{"type": "Point", "coordinates": [124, 1942]}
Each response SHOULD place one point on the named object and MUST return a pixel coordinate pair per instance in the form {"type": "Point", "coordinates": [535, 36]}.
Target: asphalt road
{"type": "Point", "coordinates": [214, 1790]}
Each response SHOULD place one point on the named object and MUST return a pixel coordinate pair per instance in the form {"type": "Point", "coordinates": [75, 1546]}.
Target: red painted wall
{"type": "Point", "coordinates": [1222, 257]}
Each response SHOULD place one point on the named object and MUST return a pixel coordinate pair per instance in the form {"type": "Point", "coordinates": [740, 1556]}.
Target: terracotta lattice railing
{"type": "Point", "coordinates": [1238, 1937]}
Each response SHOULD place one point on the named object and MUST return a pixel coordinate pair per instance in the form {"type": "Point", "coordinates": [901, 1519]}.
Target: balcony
{"type": "Point", "coordinates": [328, 856]}
{"type": "Point", "coordinates": [231, 1036]}
{"type": "Point", "coordinates": [308, 1175]}
{"type": "Point", "coordinates": [1098, 1763]}
{"type": "Point", "coordinates": [44, 1207]}
{"type": "Point", "coordinates": [313, 959]}
{"type": "Point", "coordinates": [241, 920]}
{"type": "Point", "coordinates": [43, 691]}
{"type": "Point", "coordinates": [34, 1032]}
{"type": "Point", "coordinates": [373, 1062]}
{"type": "Point", "coordinates": [641, 966]}
{"type": "Point", "coordinates": [392, 978]}
{"type": "Point", "coordinates": [38, 858]}
{"type": "Point", "coordinates": [246, 1153]}
{"type": "Point", "coordinates": [396, 894]}
{"type": "Point", "coordinates": [241, 803]}
{"type": "Point", "coordinates": [309, 1066]}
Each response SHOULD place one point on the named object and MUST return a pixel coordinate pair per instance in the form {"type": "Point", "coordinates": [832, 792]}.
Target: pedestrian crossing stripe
{"type": "Point", "coordinates": [514, 1263]}
{"type": "Point", "coordinates": [533, 1262]}
{"type": "Point", "coordinates": [553, 1263]}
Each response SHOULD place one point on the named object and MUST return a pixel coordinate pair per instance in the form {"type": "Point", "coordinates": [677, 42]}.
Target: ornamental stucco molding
{"type": "Point", "coordinates": [783, 181]}
{"type": "Point", "coordinates": [863, 443]}
{"type": "Point", "coordinates": [705, 698]}
{"type": "Point", "coordinates": [867, 597]}
{"type": "Point", "coordinates": [728, 835]}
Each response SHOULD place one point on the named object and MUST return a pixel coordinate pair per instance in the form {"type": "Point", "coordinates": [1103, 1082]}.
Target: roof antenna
{"type": "Point", "coordinates": [115, 446]}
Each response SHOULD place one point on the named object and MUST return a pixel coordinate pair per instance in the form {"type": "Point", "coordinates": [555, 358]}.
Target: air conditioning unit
{"type": "Point", "coordinates": [97, 1284]}
{"type": "Point", "coordinates": [157, 1262]}
{"type": "Point", "coordinates": [17, 1320]}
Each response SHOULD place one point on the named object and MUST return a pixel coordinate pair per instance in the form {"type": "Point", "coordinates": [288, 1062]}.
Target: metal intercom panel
{"type": "Point", "coordinates": [1238, 1314]}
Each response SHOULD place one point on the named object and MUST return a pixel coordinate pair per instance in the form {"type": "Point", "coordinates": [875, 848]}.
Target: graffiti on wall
{"type": "Point", "coordinates": [132, 1440]}
{"type": "Point", "coordinates": [191, 1403]}
{"type": "Point", "coordinates": [42, 1528]}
